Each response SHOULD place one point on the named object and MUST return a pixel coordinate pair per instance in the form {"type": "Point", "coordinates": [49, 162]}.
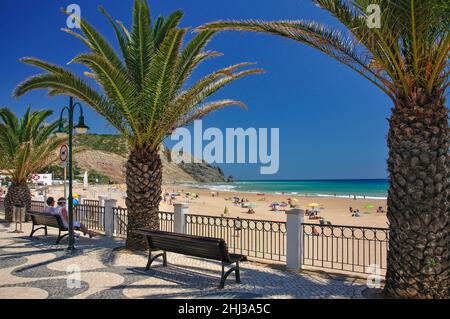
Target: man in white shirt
{"type": "Point", "coordinates": [50, 209]}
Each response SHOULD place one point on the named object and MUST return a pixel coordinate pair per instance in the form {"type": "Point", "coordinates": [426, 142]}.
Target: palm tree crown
{"type": "Point", "coordinates": [408, 52]}
{"type": "Point", "coordinates": [27, 144]}
{"type": "Point", "coordinates": [143, 96]}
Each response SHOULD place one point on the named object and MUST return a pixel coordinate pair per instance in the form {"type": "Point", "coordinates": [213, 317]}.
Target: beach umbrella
{"type": "Point", "coordinates": [274, 204]}
{"type": "Point", "coordinates": [313, 205]}
{"type": "Point", "coordinates": [283, 204]}
{"type": "Point", "coordinates": [369, 206]}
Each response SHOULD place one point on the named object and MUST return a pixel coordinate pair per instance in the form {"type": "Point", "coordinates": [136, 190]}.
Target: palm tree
{"type": "Point", "coordinates": [27, 145]}
{"type": "Point", "coordinates": [143, 95]}
{"type": "Point", "coordinates": [407, 58]}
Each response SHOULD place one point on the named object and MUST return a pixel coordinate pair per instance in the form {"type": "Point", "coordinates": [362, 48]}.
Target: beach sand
{"type": "Point", "coordinates": [333, 209]}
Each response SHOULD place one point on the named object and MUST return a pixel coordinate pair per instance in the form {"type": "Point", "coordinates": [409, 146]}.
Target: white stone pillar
{"type": "Point", "coordinates": [101, 200]}
{"type": "Point", "coordinates": [109, 216]}
{"type": "Point", "coordinates": [179, 218]}
{"type": "Point", "coordinates": [294, 234]}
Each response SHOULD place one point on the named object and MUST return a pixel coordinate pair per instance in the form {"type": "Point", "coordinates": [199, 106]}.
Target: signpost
{"type": "Point", "coordinates": [63, 156]}
{"type": "Point", "coordinates": [80, 128]}
{"type": "Point", "coordinates": [64, 153]}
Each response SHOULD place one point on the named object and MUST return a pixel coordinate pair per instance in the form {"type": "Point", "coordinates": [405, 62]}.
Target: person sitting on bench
{"type": "Point", "coordinates": [50, 209]}
{"type": "Point", "coordinates": [62, 211]}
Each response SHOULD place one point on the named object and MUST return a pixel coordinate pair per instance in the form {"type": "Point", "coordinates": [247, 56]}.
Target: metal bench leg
{"type": "Point", "coordinates": [225, 275]}
{"type": "Point", "coordinates": [164, 259]}
{"type": "Point", "coordinates": [60, 237]}
{"type": "Point", "coordinates": [238, 273]}
{"type": "Point", "coordinates": [151, 259]}
{"type": "Point", "coordinates": [222, 277]}
{"type": "Point", "coordinates": [33, 230]}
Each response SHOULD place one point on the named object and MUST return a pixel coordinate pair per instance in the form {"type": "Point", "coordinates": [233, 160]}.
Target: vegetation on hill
{"type": "Point", "coordinates": [109, 143]}
{"type": "Point", "coordinates": [103, 142]}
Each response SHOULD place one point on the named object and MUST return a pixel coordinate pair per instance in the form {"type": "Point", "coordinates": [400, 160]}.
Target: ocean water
{"type": "Point", "coordinates": [368, 188]}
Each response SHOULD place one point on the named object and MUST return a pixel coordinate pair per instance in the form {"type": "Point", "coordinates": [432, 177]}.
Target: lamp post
{"type": "Point", "coordinates": [80, 128]}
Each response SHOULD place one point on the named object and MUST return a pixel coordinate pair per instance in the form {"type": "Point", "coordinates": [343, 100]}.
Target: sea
{"type": "Point", "coordinates": [345, 188]}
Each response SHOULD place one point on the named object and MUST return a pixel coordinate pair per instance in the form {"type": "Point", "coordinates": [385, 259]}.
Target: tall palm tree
{"type": "Point", "coordinates": [143, 95]}
{"type": "Point", "coordinates": [407, 58]}
{"type": "Point", "coordinates": [27, 145]}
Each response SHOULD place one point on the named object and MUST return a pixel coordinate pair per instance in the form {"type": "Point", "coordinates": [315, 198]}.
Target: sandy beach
{"type": "Point", "coordinates": [333, 209]}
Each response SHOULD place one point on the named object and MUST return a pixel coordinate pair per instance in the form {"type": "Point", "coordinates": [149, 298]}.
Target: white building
{"type": "Point", "coordinates": [42, 179]}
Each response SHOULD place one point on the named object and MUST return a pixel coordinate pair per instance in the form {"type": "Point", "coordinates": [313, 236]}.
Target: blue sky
{"type": "Point", "coordinates": [332, 121]}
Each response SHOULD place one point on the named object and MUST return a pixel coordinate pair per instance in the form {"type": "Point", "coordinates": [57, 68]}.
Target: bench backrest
{"type": "Point", "coordinates": [204, 247]}
{"type": "Point", "coordinates": [46, 219]}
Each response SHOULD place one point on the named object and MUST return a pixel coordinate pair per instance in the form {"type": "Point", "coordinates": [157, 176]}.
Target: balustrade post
{"type": "Point", "coordinates": [179, 217]}
{"type": "Point", "coordinates": [109, 216]}
{"type": "Point", "coordinates": [294, 235]}
{"type": "Point", "coordinates": [101, 201]}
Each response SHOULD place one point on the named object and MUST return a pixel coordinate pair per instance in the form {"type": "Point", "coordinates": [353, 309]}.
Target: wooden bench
{"type": "Point", "coordinates": [48, 220]}
{"type": "Point", "coordinates": [203, 247]}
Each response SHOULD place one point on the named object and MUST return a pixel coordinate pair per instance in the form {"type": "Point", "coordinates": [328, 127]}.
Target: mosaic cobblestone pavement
{"type": "Point", "coordinates": [36, 268]}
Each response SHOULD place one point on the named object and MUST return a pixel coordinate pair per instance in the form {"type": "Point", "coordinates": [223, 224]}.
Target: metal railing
{"type": "Point", "coordinates": [338, 247]}
{"type": "Point", "coordinates": [262, 239]}
{"type": "Point", "coordinates": [120, 221]}
{"type": "Point", "coordinates": [348, 248]}
{"type": "Point", "coordinates": [37, 206]}
{"type": "Point", "coordinates": [92, 216]}
{"type": "Point", "coordinates": [93, 202]}
{"type": "Point", "coordinates": [166, 221]}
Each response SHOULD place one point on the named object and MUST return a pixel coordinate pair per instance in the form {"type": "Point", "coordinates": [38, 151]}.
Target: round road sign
{"type": "Point", "coordinates": [64, 153]}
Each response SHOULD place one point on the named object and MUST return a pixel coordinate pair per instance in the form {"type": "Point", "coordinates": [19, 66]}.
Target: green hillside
{"type": "Point", "coordinates": [103, 142]}
{"type": "Point", "coordinates": [201, 172]}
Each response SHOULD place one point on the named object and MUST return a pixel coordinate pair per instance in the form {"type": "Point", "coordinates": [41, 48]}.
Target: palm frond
{"type": "Point", "coordinates": [409, 51]}
{"type": "Point", "coordinates": [142, 91]}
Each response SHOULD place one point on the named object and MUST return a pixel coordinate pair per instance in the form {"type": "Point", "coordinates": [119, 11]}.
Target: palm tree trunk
{"type": "Point", "coordinates": [418, 202]}
{"type": "Point", "coordinates": [143, 179]}
{"type": "Point", "coordinates": [18, 194]}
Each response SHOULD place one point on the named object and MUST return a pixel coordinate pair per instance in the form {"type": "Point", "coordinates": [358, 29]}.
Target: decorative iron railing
{"type": "Point", "coordinates": [339, 247]}
{"type": "Point", "coordinates": [37, 206]}
{"type": "Point", "coordinates": [92, 202]}
{"type": "Point", "coordinates": [92, 216]}
{"type": "Point", "coordinates": [348, 248]}
{"type": "Point", "coordinates": [254, 238]}
{"type": "Point", "coordinates": [165, 221]}
{"type": "Point", "coordinates": [120, 221]}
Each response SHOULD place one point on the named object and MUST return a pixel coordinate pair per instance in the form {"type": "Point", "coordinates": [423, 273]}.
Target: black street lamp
{"type": "Point", "coordinates": [80, 128]}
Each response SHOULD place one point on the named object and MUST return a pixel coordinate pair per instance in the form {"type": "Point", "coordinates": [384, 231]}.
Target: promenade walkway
{"type": "Point", "coordinates": [35, 268]}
